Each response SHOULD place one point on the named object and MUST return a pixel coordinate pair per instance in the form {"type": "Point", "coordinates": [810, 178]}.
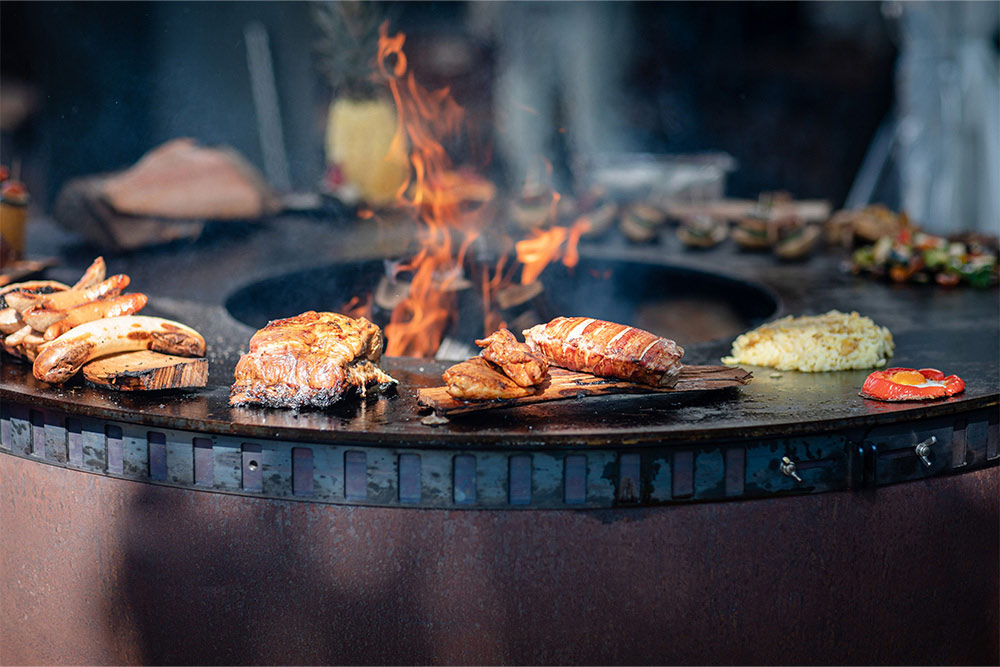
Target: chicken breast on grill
{"type": "Point", "coordinates": [478, 380]}
{"type": "Point", "coordinates": [607, 349]}
{"type": "Point", "coordinates": [516, 359]}
{"type": "Point", "coordinates": [311, 359]}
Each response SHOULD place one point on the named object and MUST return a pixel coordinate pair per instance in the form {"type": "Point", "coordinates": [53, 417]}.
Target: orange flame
{"type": "Point", "coordinates": [547, 246]}
{"type": "Point", "coordinates": [536, 253]}
{"type": "Point", "coordinates": [438, 195]}
{"type": "Point", "coordinates": [434, 192]}
{"type": "Point", "coordinates": [358, 307]}
{"type": "Point", "coordinates": [572, 256]}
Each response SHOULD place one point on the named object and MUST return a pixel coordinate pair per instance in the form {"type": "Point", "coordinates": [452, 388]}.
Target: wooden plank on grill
{"type": "Point", "coordinates": [146, 371]}
{"type": "Point", "coordinates": [564, 384]}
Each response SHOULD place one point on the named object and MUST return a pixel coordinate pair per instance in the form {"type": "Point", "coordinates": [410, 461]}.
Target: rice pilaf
{"type": "Point", "coordinates": [834, 341]}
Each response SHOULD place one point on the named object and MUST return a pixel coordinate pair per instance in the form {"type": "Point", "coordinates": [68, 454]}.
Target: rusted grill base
{"type": "Point", "coordinates": [95, 569]}
{"type": "Point", "coordinates": [481, 477]}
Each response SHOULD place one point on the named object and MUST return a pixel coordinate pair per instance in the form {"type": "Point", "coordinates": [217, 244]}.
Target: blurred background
{"type": "Point", "coordinates": [854, 102]}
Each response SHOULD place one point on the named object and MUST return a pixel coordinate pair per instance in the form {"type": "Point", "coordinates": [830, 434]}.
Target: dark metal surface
{"type": "Point", "coordinates": [956, 330]}
{"type": "Point", "coordinates": [169, 528]}
{"type": "Point", "coordinates": [792, 404]}
{"type": "Point", "coordinates": [611, 290]}
{"type": "Point", "coordinates": [479, 476]}
{"type": "Point", "coordinates": [107, 571]}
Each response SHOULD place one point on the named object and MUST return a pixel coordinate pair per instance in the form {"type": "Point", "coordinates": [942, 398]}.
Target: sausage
{"type": "Point", "coordinates": [60, 359]}
{"type": "Point", "coordinates": [33, 287]}
{"type": "Point", "coordinates": [10, 321]}
{"type": "Point", "coordinates": [126, 304]}
{"type": "Point", "coordinates": [70, 298]}
{"type": "Point", "coordinates": [94, 274]}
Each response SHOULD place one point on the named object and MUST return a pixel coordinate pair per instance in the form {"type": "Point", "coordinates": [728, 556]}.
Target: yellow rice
{"type": "Point", "coordinates": [834, 341]}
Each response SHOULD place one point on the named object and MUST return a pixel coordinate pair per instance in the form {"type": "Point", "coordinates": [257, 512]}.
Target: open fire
{"type": "Point", "coordinates": [453, 208]}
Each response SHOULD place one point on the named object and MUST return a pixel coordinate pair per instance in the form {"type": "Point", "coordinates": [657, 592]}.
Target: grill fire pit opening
{"type": "Point", "coordinates": [687, 305]}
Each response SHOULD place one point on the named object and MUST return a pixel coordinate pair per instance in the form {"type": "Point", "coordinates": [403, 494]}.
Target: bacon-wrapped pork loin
{"type": "Point", "coordinates": [608, 350]}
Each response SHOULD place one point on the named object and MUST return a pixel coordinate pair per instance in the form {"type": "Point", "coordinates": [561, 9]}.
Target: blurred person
{"type": "Point", "coordinates": [560, 72]}
{"type": "Point", "coordinates": [948, 97]}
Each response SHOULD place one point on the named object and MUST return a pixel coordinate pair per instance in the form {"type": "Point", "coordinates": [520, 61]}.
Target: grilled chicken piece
{"type": "Point", "coordinates": [516, 359]}
{"type": "Point", "coordinates": [608, 350]}
{"type": "Point", "coordinates": [311, 359]}
{"type": "Point", "coordinates": [478, 380]}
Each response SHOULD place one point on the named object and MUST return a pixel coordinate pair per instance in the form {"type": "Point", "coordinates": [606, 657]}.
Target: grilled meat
{"type": "Point", "coordinates": [608, 350]}
{"type": "Point", "coordinates": [30, 287]}
{"type": "Point", "coordinates": [60, 359]}
{"type": "Point", "coordinates": [478, 380]}
{"type": "Point", "coordinates": [516, 359]}
{"type": "Point", "coordinates": [311, 359]}
{"type": "Point", "coordinates": [183, 180]}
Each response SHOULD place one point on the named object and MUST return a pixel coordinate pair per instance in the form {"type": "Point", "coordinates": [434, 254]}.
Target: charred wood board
{"type": "Point", "coordinates": [563, 384]}
{"type": "Point", "coordinates": [146, 371]}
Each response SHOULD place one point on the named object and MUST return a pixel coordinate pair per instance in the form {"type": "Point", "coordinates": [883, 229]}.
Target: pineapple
{"type": "Point", "coordinates": [362, 119]}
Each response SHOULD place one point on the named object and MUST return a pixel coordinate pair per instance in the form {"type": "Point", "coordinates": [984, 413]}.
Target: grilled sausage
{"type": "Point", "coordinates": [61, 358]}
{"type": "Point", "coordinates": [70, 298]}
{"type": "Point", "coordinates": [94, 274]}
{"type": "Point", "coordinates": [10, 321]}
{"type": "Point", "coordinates": [126, 304]}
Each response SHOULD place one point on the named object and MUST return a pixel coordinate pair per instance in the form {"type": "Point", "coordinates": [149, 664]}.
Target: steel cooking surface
{"type": "Point", "coordinates": [954, 330]}
{"type": "Point", "coordinates": [792, 403]}
{"type": "Point", "coordinates": [683, 303]}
